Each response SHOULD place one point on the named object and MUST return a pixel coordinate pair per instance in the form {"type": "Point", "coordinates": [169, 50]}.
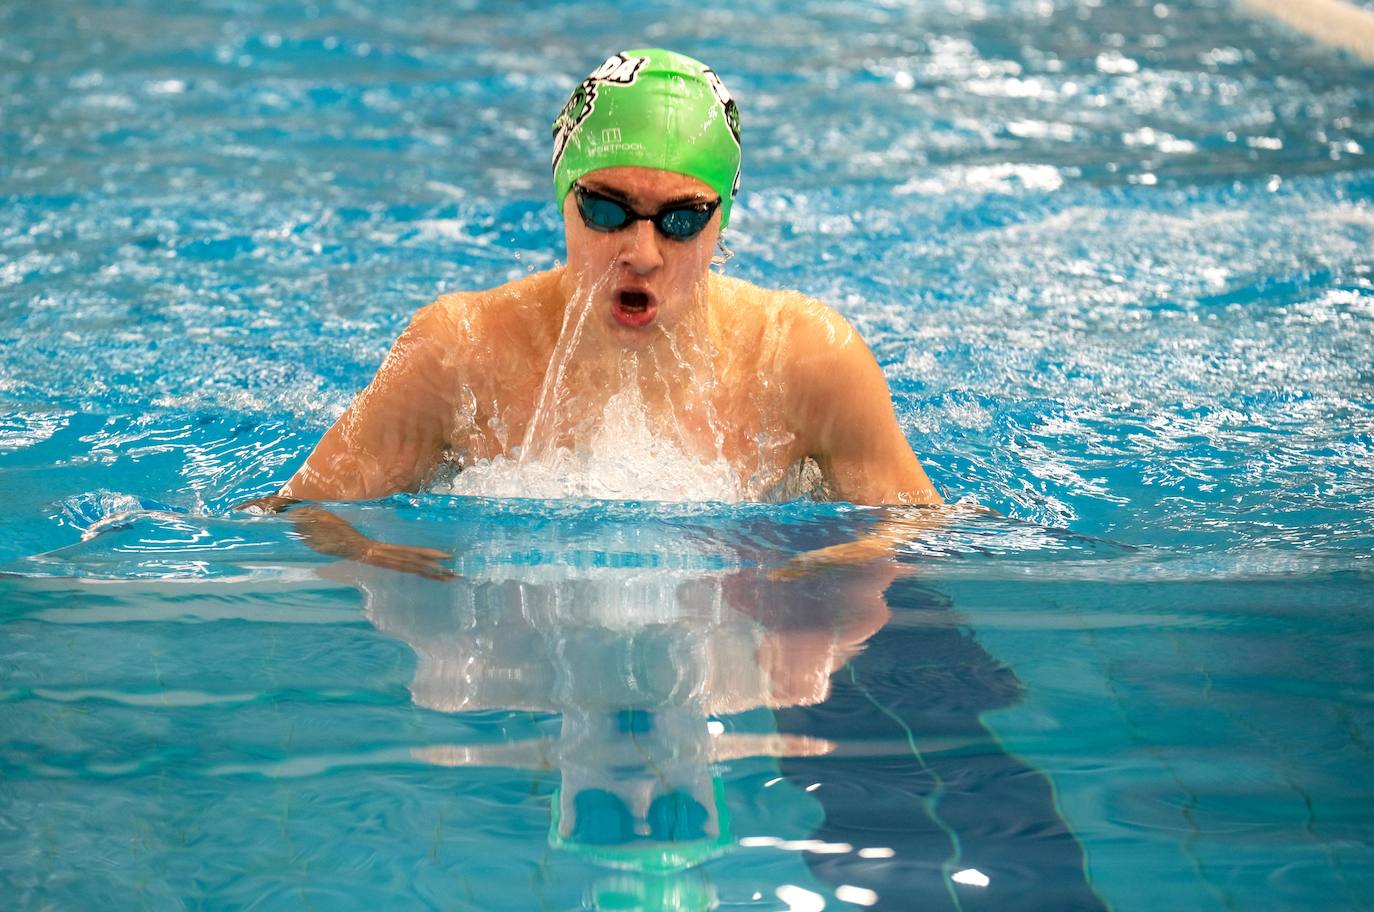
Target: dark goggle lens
{"type": "Point", "coordinates": [601, 213]}
{"type": "Point", "coordinates": [683, 223]}
{"type": "Point", "coordinates": [678, 223]}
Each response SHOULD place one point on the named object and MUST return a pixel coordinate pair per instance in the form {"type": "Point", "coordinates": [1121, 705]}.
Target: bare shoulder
{"type": "Point", "coordinates": [818, 330]}
{"type": "Point", "coordinates": [804, 335]}
{"type": "Point", "coordinates": [776, 318]}
{"type": "Point", "coordinates": [835, 397]}
{"type": "Point", "coordinates": [465, 323]}
{"type": "Point", "coordinates": [525, 295]}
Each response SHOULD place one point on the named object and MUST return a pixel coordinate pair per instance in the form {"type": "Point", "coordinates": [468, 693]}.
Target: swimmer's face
{"type": "Point", "coordinates": [640, 281]}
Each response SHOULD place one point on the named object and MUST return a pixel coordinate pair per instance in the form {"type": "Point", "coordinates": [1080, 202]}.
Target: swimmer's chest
{"type": "Point", "coordinates": [741, 417]}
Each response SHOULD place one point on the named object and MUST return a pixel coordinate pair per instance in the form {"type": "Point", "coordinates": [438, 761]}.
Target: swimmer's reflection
{"type": "Point", "coordinates": [641, 663]}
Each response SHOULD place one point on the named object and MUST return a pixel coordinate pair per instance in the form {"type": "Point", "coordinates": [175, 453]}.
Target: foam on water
{"type": "Point", "coordinates": [618, 423]}
{"type": "Point", "coordinates": [624, 459]}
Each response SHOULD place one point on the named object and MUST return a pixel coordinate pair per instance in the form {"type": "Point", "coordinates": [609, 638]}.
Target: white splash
{"type": "Point", "coordinates": [617, 424]}
{"type": "Point", "coordinates": [624, 459]}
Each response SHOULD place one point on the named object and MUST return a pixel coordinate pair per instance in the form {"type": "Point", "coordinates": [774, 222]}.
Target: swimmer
{"type": "Point", "coordinates": [646, 164]}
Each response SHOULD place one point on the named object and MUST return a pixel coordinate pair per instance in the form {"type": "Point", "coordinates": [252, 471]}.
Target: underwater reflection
{"type": "Point", "coordinates": [707, 746]}
{"type": "Point", "coordinates": [642, 664]}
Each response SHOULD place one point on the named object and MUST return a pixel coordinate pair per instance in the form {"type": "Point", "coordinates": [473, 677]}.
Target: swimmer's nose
{"type": "Point", "coordinates": [640, 250]}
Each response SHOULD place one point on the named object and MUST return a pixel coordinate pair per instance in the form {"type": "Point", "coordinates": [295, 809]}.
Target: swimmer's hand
{"type": "Point", "coordinates": [898, 527]}
{"type": "Point", "coordinates": [846, 554]}
{"type": "Point", "coordinates": [334, 536]}
{"type": "Point", "coordinates": [426, 562]}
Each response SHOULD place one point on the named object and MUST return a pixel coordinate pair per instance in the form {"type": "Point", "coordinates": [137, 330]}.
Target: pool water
{"type": "Point", "coordinates": [1115, 260]}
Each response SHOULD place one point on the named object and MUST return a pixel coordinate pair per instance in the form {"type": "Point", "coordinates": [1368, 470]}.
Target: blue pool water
{"type": "Point", "coordinates": [1115, 259]}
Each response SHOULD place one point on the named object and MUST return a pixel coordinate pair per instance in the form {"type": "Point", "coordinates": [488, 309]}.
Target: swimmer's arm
{"type": "Point", "coordinates": [334, 536]}
{"type": "Point", "coordinates": [389, 440]}
{"type": "Point", "coordinates": [842, 411]}
{"type": "Point", "coordinates": [393, 435]}
{"type": "Point", "coordinates": [899, 527]}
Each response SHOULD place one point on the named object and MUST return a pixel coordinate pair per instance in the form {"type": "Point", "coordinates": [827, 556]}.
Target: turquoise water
{"type": "Point", "coordinates": [1115, 259]}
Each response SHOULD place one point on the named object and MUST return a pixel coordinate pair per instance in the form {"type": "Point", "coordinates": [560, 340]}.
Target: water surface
{"type": "Point", "coordinates": [1114, 260]}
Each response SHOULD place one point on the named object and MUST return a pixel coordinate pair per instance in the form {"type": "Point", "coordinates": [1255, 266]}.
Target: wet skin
{"type": "Point", "coordinates": [765, 379]}
{"type": "Point", "coordinates": [637, 262]}
{"type": "Point", "coordinates": [463, 379]}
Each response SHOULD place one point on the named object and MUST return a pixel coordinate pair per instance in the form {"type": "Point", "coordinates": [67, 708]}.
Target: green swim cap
{"type": "Point", "coordinates": [654, 109]}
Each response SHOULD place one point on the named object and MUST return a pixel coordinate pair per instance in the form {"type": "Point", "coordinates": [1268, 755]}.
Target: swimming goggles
{"type": "Point", "coordinates": [679, 222]}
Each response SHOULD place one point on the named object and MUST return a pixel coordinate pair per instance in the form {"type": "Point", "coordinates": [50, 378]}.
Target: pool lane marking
{"type": "Point", "coordinates": [1142, 742]}
{"type": "Point", "coordinates": [1056, 802]}
{"type": "Point", "coordinates": [1334, 22]}
{"type": "Point", "coordinates": [932, 799]}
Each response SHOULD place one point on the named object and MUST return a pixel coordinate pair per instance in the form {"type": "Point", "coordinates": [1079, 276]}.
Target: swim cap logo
{"type": "Point", "coordinates": [726, 102]}
{"type": "Point", "coordinates": [619, 69]}
{"type": "Point", "coordinates": [731, 114]}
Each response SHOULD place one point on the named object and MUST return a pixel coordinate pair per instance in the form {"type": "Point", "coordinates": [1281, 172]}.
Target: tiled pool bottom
{"type": "Point", "coordinates": [1207, 734]}
{"type": "Point", "coordinates": [1082, 727]}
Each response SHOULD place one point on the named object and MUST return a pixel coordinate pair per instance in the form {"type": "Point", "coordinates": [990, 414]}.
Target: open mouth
{"type": "Point", "coordinates": [634, 308]}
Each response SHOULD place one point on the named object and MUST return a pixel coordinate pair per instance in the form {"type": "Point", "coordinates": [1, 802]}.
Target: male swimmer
{"type": "Point", "coordinates": [646, 164]}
